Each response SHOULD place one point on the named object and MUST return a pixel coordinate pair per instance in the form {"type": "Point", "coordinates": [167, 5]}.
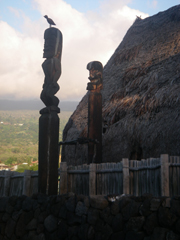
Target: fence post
{"type": "Point", "coordinates": [92, 179]}
{"type": "Point", "coordinates": [164, 175]}
{"type": "Point", "coordinates": [125, 162]}
{"type": "Point", "coordinates": [27, 182]}
{"type": "Point", "coordinates": [7, 182]}
{"type": "Point", "coordinates": [63, 178]}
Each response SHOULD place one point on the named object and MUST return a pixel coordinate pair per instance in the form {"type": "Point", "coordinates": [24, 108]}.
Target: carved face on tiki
{"type": "Point", "coordinates": [53, 43]}
{"type": "Point", "coordinates": [95, 75]}
{"type": "Point", "coordinates": [95, 71]}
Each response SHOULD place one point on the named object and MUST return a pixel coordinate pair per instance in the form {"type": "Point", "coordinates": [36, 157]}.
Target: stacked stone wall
{"type": "Point", "coordinates": [42, 217]}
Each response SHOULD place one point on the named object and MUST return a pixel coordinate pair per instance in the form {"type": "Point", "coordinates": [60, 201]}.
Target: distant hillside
{"type": "Point", "coordinates": [33, 105]}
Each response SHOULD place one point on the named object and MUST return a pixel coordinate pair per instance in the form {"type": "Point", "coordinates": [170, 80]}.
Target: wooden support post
{"type": "Point", "coordinates": [164, 175]}
{"type": "Point", "coordinates": [27, 183]}
{"type": "Point", "coordinates": [95, 112]}
{"type": "Point", "coordinates": [49, 120]}
{"type": "Point", "coordinates": [63, 178]}
{"type": "Point", "coordinates": [92, 179]}
{"type": "Point", "coordinates": [48, 153]}
{"type": "Point", "coordinates": [7, 182]}
{"type": "Point", "coordinates": [125, 162]}
{"type": "Point", "coordinates": [95, 127]}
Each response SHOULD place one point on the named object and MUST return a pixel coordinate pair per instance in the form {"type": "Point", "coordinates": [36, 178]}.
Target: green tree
{"type": "Point", "coordinates": [11, 161]}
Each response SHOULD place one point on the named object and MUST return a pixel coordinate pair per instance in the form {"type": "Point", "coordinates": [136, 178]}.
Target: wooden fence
{"type": "Point", "coordinates": [17, 184]}
{"type": "Point", "coordinates": [158, 176]}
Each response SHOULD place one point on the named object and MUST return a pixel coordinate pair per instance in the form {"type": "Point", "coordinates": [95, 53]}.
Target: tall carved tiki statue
{"type": "Point", "coordinates": [95, 111]}
{"type": "Point", "coordinates": [49, 120]}
{"type": "Point", "coordinates": [51, 66]}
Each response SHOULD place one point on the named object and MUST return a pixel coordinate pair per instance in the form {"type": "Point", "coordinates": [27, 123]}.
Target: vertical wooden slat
{"type": "Point", "coordinates": [175, 192]}
{"type": "Point", "coordinates": [69, 180]}
{"type": "Point", "coordinates": [2, 182]}
{"type": "Point", "coordinates": [137, 182]}
{"type": "Point", "coordinates": [103, 179]}
{"type": "Point", "coordinates": [87, 181]}
{"type": "Point", "coordinates": [83, 180]}
{"type": "Point", "coordinates": [112, 177]}
{"type": "Point", "coordinates": [171, 176]}
{"type": "Point", "coordinates": [131, 177]}
{"type": "Point", "coordinates": [165, 175]}
{"type": "Point", "coordinates": [63, 178]}
{"type": "Point", "coordinates": [147, 177]}
{"type": "Point", "coordinates": [134, 179]}
{"type": "Point", "coordinates": [178, 175]}
{"type": "Point", "coordinates": [155, 180]}
{"type": "Point", "coordinates": [16, 184]}
{"type": "Point", "coordinates": [151, 177]}
{"type": "Point", "coordinates": [79, 179]}
{"type": "Point", "coordinates": [77, 184]}
{"type": "Point", "coordinates": [110, 181]}
{"type": "Point", "coordinates": [159, 177]}
{"type": "Point", "coordinates": [139, 179]}
{"type": "Point", "coordinates": [115, 186]}
{"type": "Point", "coordinates": [73, 182]}
{"type": "Point", "coordinates": [125, 162]}
{"type": "Point", "coordinates": [115, 179]}
{"type": "Point", "coordinates": [92, 179]}
{"type": "Point", "coordinates": [117, 189]}
{"type": "Point", "coordinates": [7, 183]}
{"type": "Point", "coordinates": [107, 191]}
{"type": "Point", "coordinates": [154, 164]}
{"type": "Point", "coordinates": [34, 183]}
{"type": "Point", "coordinates": [106, 179]}
{"type": "Point", "coordinates": [27, 182]}
{"type": "Point", "coordinates": [143, 177]}
{"type": "Point", "coordinates": [97, 180]}
{"type": "Point", "coordinates": [121, 180]}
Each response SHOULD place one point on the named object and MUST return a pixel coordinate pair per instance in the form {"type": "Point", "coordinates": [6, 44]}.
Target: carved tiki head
{"type": "Point", "coordinates": [95, 75]}
{"type": "Point", "coordinates": [53, 43]}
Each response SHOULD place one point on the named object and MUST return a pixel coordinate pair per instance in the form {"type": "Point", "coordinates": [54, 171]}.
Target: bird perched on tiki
{"type": "Point", "coordinates": [50, 21]}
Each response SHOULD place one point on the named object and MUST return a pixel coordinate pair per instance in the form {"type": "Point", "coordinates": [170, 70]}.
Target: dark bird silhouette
{"type": "Point", "coordinates": [50, 21]}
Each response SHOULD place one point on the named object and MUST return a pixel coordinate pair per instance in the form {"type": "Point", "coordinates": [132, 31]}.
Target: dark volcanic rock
{"type": "Point", "coordinates": [150, 223]}
{"type": "Point", "coordinates": [135, 224]}
{"type": "Point", "coordinates": [117, 223]}
{"type": "Point", "coordinates": [141, 100]}
{"type": "Point", "coordinates": [166, 217]}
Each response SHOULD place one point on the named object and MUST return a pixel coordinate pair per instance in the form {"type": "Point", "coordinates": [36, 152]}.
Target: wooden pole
{"type": "Point", "coordinates": [49, 120]}
{"type": "Point", "coordinates": [48, 153]}
{"type": "Point", "coordinates": [95, 127]}
{"type": "Point", "coordinates": [95, 112]}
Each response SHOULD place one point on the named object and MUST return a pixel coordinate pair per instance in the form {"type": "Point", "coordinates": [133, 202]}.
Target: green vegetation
{"type": "Point", "coordinates": [19, 137]}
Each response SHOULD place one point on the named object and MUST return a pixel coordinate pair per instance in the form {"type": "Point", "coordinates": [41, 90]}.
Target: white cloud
{"type": "Point", "coordinates": [14, 11]}
{"type": "Point", "coordinates": [93, 36]}
{"type": "Point", "coordinates": [152, 4]}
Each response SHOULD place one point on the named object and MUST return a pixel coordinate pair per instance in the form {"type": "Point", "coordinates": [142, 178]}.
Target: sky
{"type": "Point", "coordinates": [92, 30]}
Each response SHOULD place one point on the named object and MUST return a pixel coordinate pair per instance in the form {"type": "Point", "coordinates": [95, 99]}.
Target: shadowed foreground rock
{"type": "Point", "coordinates": [141, 95]}
{"type": "Point", "coordinates": [66, 217]}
